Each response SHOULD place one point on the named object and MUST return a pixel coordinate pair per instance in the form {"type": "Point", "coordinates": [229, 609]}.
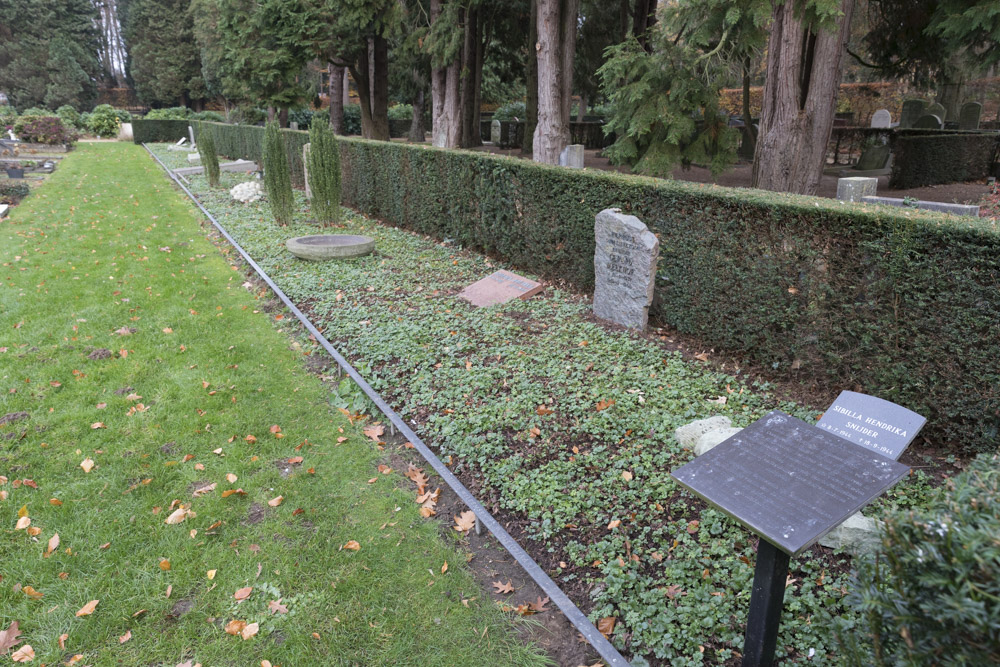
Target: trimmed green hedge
{"type": "Point", "coordinates": [900, 304]}
{"type": "Point", "coordinates": [246, 142]}
{"type": "Point", "coordinates": [153, 131]}
{"type": "Point", "coordinates": [930, 159]}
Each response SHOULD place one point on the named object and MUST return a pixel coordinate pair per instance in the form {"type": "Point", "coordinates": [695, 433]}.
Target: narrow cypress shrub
{"type": "Point", "coordinates": [277, 180]}
{"type": "Point", "coordinates": [209, 160]}
{"type": "Point", "coordinates": [324, 172]}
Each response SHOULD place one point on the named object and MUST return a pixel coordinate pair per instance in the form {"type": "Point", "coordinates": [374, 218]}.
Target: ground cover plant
{"type": "Point", "coordinates": [563, 426]}
{"type": "Point", "coordinates": [170, 474]}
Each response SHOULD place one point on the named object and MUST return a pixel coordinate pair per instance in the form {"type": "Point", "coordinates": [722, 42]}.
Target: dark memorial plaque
{"type": "Point", "coordinates": [872, 422]}
{"type": "Point", "coordinates": [788, 481]}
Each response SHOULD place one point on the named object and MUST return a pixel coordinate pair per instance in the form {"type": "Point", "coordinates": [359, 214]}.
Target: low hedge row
{"type": "Point", "coordinates": [153, 131]}
{"type": "Point", "coordinates": [246, 142]}
{"type": "Point", "coordinates": [929, 159]}
{"type": "Point", "coordinates": [901, 304]}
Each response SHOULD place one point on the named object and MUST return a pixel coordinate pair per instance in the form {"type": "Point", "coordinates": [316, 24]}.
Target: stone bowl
{"type": "Point", "coordinates": [330, 246]}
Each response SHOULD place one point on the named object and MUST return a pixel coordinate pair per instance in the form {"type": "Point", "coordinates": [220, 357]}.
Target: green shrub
{"type": "Point", "coordinates": [209, 160]}
{"type": "Point", "coordinates": [932, 594]}
{"type": "Point", "coordinates": [11, 192]}
{"type": "Point", "coordinates": [171, 113]}
{"type": "Point", "coordinates": [247, 115]}
{"type": "Point", "coordinates": [510, 111]}
{"type": "Point", "coordinates": [247, 142]}
{"type": "Point", "coordinates": [24, 119]}
{"type": "Point", "coordinates": [213, 116]}
{"type": "Point", "coordinates": [8, 115]}
{"type": "Point", "coordinates": [154, 131]}
{"type": "Point", "coordinates": [37, 111]}
{"type": "Point", "coordinates": [302, 116]}
{"type": "Point", "coordinates": [352, 119]}
{"type": "Point", "coordinates": [104, 121]}
{"type": "Point", "coordinates": [401, 112]}
{"type": "Point", "coordinates": [45, 130]}
{"type": "Point", "coordinates": [69, 116]}
{"type": "Point", "coordinates": [124, 116]}
{"type": "Point", "coordinates": [324, 172]}
{"type": "Point", "coordinates": [930, 159]}
{"type": "Point", "coordinates": [277, 179]}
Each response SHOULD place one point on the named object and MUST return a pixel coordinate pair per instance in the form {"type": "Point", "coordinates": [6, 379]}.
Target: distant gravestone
{"type": "Point", "coordinates": [912, 110]}
{"type": "Point", "coordinates": [500, 287]}
{"type": "Point", "coordinates": [305, 169]}
{"type": "Point", "coordinates": [968, 118]}
{"type": "Point", "coordinates": [625, 259]}
{"type": "Point", "coordinates": [180, 142]}
{"type": "Point", "coordinates": [872, 422]}
{"type": "Point", "coordinates": [928, 122]}
{"type": "Point", "coordinates": [882, 118]}
{"type": "Point", "coordinates": [937, 109]}
{"type": "Point", "coordinates": [873, 157]}
{"type": "Point", "coordinates": [572, 156]}
{"type": "Point", "coordinates": [191, 134]}
{"type": "Point", "coordinates": [854, 188]}
{"type": "Point", "coordinates": [495, 132]}
{"type": "Point", "coordinates": [194, 158]}
{"type": "Point", "coordinates": [293, 125]}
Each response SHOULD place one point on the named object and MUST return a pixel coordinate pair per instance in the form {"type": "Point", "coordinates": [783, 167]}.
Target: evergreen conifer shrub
{"type": "Point", "coordinates": [324, 172]}
{"type": "Point", "coordinates": [277, 179]}
{"type": "Point", "coordinates": [209, 160]}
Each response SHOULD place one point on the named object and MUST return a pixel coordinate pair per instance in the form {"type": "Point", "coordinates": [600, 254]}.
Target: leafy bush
{"type": "Point", "coordinates": [124, 116]}
{"type": "Point", "coordinates": [401, 112]}
{"type": "Point", "coordinates": [324, 172]}
{"type": "Point", "coordinates": [277, 179]}
{"type": "Point", "coordinates": [352, 119]}
{"type": "Point", "coordinates": [11, 192]}
{"type": "Point", "coordinates": [36, 111]}
{"type": "Point", "coordinates": [928, 159]}
{"type": "Point", "coordinates": [44, 130]}
{"type": "Point", "coordinates": [8, 115]}
{"type": "Point", "coordinates": [511, 111]}
{"type": "Point", "coordinates": [172, 113]}
{"type": "Point", "coordinates": [209, 160]}
{"type": "Point", "coordinates": [247, 115]}
{"type": "Point", "coordinates": [932, 594]}
{"type": "Point", "coordinates": [69, 116]}
{"type": "Point", "coordinates": [152, 131]}
{"type": "Point", "coordinates": [302, 116]}
{"type": "Point", "coordinates": [104, 121]}
{"type": "Point", "coordinates": [213, 116]}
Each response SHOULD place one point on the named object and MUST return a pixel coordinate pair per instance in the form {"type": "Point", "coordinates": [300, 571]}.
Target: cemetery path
{"type": "Point", "coordinates": [174, 486]}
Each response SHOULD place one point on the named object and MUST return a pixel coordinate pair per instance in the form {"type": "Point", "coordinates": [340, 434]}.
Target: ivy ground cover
{"type": "Point", "coordinates": [561, 424]}
{"type": "Point", "coordinates": [175, 488]}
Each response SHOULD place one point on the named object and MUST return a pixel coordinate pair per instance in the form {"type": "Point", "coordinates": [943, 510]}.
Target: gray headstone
{"type": "Point", "coordinates": [624, 268]}
{"type": "Point", "coordinates": [495, 132]}
{"type": "Point", "coordinates": [689, 434]}
{"type": "Point", "coordinates": [125, 132]}
{"type": "Point", "coordinates": [873, 157]}
{"type": "Point", "coordinates": [854, 188]}
{"type": "Point", "coordinates": [872, 422]}
{"type": "Point", "coordinates": [968, 118]}
{"type": "Point", "coordinates": [912, 110]}
{"type": "Point", "coordinates": [928, 122]}
{"type": "Point", "coordinates": [194, 158]}
{"type": "Point", "coordinates": [293, 125]}
{"type": "Point", "coordinates": [305, 169]}
{"type": "Point", "coordinates": [191, 134]}
{"type": "Point", "coordinates": [572, 156]}
{"type": "Point", "coordinates": [882, 118]}
{"type": "Point", "coordinates": [936, 109]}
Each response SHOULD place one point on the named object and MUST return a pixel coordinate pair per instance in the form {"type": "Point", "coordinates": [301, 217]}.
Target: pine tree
{"type": "Point", "coordinates": [324, 172]}
{"type": "Point", "coordinates": [209, 160]}
{"type": "Point", "coordinates": [277, 178]}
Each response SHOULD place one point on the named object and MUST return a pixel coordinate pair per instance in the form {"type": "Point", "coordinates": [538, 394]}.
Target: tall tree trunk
{"type": "Point", "coordinates": [552, 132]}
{"type": "Point", "coordinates": [270, 114]}
{"type": "Point", "coordinates": [417, 122]}
{"type": "Point", "coordinates": [360, 73]}
{"type": "Point", "coordinates": [380, 88]}
{"type": "Point", "coordinates": [283, 117]}
{"type": "Point", "coordinates": [483, 38]}
{"type": "Point", "coordinates": [567, 42]}
{"type": "Point", "coordinates": [581, 112]}
{"type": "Point", "coordinates": [468, 86]}
{"type": "Point", "coordinates": [949, 93]}
{"type": "Point", "coordinates": [446, 127]}
{"type": "Point", "coordinates": [643, 19]}
{"type": "Point", "coordinates": [336, 98]}
{"type": "Point", "coordinates": [800, 96]}
{"type": "Point", "coordinates": [531, 84]}
{"type": "Point", "coordinates": [749, 146]}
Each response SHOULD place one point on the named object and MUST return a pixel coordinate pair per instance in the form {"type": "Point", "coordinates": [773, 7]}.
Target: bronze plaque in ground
{"type": "Point", "coordinates": [788, 481]}
{"type": "Point", "coordinates": [500, 287]}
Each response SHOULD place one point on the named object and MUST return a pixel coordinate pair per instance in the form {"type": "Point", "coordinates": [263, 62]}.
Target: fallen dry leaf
{"type": "Point", "coordinates": [352, 545]}
{"type": "Point", "coordinates": [53, 545]}
{"type": "Point", "coordinates": [97, 425]}
{"type": "Point", "coordinates": [22, 523]}
{"type": "Point", "coordinates": [243, 593]}
{"type": "Point", "coordinates": [538, 606]}
{"type": "Point", "coordinates": [75, 659]}
{"type": "Point", "coordinates": [62, 641]}
{"type": "Point", "coordinates": [384, 469]}
{"type": "Point", "coordinates": [165, 565]}
{"type": "Point", "coordinates": [444, 568]}
{"type": "Point", "coordinates": [614, 524]}
{"type": "Point", "coordinates": [374, 432]}
{"type": "Point", "coordinates": [542, 411]}
{"type": "Point", "coordinates": [249, 631]}
{"type": "Point", "coordinates": [606, 625]}
{"type": "Point", "coordinates": [235, 627]}
{"type": "Point", "coordinates": [125, 637]}
{"type": "Point", "coordinates": [8, 638]}
{"type": "Point", "coordinates": [177, 516]}
{"type": "Point", "coordinates": [627, 476]}
{"type": "Point", "coordinates": [229, 492]}
{"type": "Point", "coordinates": [32, 593]}
{"type": "Point", "coordinates": [231, 478]}
{"type": "Point", "coordinates": [275, 607]}
{"type": "Point", "coordinates": [503, 588]}
{"type": "Point", "coordinates": [211, 574]}
{"type": "Point", "coordinates": [87, 465]}
{"type": "Point", "coordinates": [23, 654]}
{"type": "Point", "coordinates": [202, 490]}
{"type": "Point", "coordinates": [274, 502]}
{"type": "Point", "coordinates": [465, 521]}
{"type": "Point", "coordinates": [604, 405]}
{"type": "Point", "coordinates": [88, 609]}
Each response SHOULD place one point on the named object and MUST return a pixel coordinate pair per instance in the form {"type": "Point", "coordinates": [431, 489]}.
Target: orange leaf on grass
{"type": "Point", "coordinates": [503, 588]}
{"type": "Point", "coordinates": [249, 631]}
{"type": "Point", "coordinates": [23, 654]}
{"type": "Point", "coordinates": [243, 593]}
{"type": "Point", "coordinates": [88, 609]}
{"type": "Point", "coordinates": [274, 502]}
{"type": "Point", "coordinates": [53, 545]}
{"type": "Point", "coordinates": [606, 625]}
{"type": "Point", "coordinates": [8, 638]}
{"type": "Point", "coordinates": [125, 637]}
{"type": "Point", "coordinates": [235, 627]}
{"type": "Point", "coordinates": [352, 545]}
{"type": "Point", "coordinates": [465, 521]}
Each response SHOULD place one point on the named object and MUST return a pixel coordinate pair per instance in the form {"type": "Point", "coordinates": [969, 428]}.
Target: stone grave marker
{"type": "Point", "coordinates": [180, 142]}
{"type": "Point", "coordinates": [854, 188]}
{"type": "Point", "coordinates": [625, 257]}
{"type": "Point", "coordinates": [873, 157]}
{"type": "Point", "coordinates": [928, 122]}
{"type": "Point", "coordinates": [790, 483]}
{"type": "Point", "coordinates": [191, 134]}
{"type": "Point", "coordinates": [872, 422]}
{"type": "Point", "coordinates": [293, 125]}
{"type": "Point", "coordinates": [968, 117]}
{"type": "Point", "coordinates": [330, 246]}
{"type": "Point", "coordinates": [305, 169]}
{"type": "Point", "coordinates": [495, 132]}
{"type": "Point", "coordinates": [936, 109]}
{"type": "Point", "coordinates": [912, 110]}
{"type": "Point", "coordinates": [500, 287]}
{"type": "Point", "coordinates": [572, 156]}
{"type": "Point", "coordinates": [882, 118]}
{"type": "Point", "coordinates": [194, 158]}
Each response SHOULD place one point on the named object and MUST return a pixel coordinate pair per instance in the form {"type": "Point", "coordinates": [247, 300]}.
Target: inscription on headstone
{"type": "Point", "coordinates": [882, 118]}
{"type": "Point", "coordinates": [872, 422]}
{"type": "Point", "coordinates": [500, 287]}
{"type": "Point", "coordinates": [625, 259]}
{"type": "Point", "coordinates": [912, 110]}
{"type": "Point", "coordinates": [787, 480]}
{"type": "Point", "coordinates": [968, 117]}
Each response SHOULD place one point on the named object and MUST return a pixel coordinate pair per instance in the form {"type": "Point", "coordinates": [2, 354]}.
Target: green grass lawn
{"type": "Point", "coordinates": [129, 347]}
{"type": "Point", "coordinates": [565, 425]}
